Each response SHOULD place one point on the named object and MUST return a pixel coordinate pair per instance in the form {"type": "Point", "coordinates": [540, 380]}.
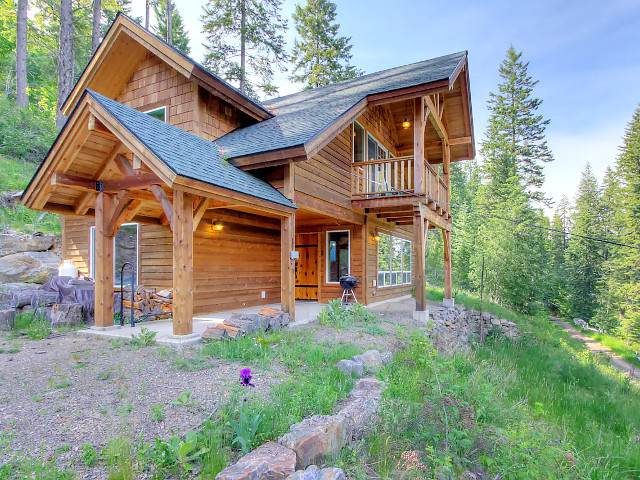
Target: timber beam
{"type": "Point", "coordinates": [436, 119]}
{"type": "Point", "coordinates": [166, 205]}
{"type": "Point", "coordinates": [90, 185]}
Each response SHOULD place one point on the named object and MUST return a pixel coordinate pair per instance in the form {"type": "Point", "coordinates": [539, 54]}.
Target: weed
{"type": "Point", "coordinates": [61, 385]}
{"type": "Point", "coordinates": [89, 455]}
{"type": "Point", "coordinates": [192, 364]}
{"type": "Point", "coordinates": [105, 374]}
{"type": "Point", "coordinates": [340, 316]}
{"type": "Point", "coordinates": [374, 330]}
{"type": "Point", "coordinates": [157, 413]}
{"type": "Point", "coordinates": [9, 350]}
{"type": "Point", "coordinates": [39, 329]}
{"type": "Point", "coordinates": [116, 343]}
{"type": "Point", "coordinates": [145, 338]}
{"type": "Point", "coordinates": [124, 410]}
{"type": "Point", "coordinates": [184, 399]}
{"type": "Point", "coordinates": [119, 459]}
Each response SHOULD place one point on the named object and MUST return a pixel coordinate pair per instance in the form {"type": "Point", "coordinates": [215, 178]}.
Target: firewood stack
{"type": "Point", "coordinates": [152, 304]}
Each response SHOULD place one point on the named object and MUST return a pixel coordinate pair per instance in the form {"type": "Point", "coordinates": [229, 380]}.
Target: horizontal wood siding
{"type": "Point", "coordinates": [76, 235]}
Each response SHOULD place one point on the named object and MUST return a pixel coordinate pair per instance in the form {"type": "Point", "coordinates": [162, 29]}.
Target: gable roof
{"type": "Point", "coordinates": [188, 155]}
{"type": "Point", "coordinates": [120, 51]}
{"type": "Point", "coordinates": [302, 117]}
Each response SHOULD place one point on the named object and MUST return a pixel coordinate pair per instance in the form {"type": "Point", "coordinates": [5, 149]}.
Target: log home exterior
{"type": "Point", "coordinates": [221, 190]}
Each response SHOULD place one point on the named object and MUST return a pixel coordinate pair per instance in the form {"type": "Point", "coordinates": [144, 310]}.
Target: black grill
{"type": "Point", "coordinates": [348, 282]}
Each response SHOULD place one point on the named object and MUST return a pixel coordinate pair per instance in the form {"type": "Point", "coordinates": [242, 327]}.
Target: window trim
{"type": "Point", "coordinates": [326, 253]}
{"type": "Point", "coordinates": [92, 253]}
{"type": "Point", "coordinates": [163, 108]}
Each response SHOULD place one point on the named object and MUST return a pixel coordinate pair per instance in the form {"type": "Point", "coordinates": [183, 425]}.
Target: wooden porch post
{"type": "Point", "coordinates": [287, 276]}
{"type": "Point", "coordinates": [418, 146]}
{"type": "Point", "coordinates": [446, 237]}
{"type": "Point", "coordinates": [182, 263]}
{"type": "Point", "coordinates": [419, 278]}
{"type": "Point", "coordinates": [103, 258]}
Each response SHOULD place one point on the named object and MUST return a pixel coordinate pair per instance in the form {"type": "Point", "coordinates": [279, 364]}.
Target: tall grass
{"type": "Point", "coordinates": [627, 350]}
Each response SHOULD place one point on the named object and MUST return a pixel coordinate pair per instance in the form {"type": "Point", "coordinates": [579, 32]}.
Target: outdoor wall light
{"type": "Point", "coordinates": [217, 226]}
{"type": "Point", "coordinates": [406, 123]}
{"type": "Point", "coordinates": [376, 237]}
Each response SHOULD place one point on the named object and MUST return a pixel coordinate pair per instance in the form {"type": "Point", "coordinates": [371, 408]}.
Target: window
{"type": "Point", "coordinates": [394, 261]}
{"type": "Point", "coordinates": [159, 113]}
{"type": "Point", "coordinates": [358, 143]}
{"type": "Point", "coordinates": [125, 249]}
{"type": "Point", "coordinates": [380, 173]}
{"type": "Point", "coordinates": [338, 255]}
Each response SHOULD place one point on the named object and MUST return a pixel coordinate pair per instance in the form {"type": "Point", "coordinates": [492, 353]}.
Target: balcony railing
{"type": "Point", "coordinates": [395, 177]}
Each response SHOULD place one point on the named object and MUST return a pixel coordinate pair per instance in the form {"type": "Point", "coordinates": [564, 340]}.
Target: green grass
{"type": "Point", "coordinates": [15, 175]}
{"type": "Point", "coordinates": [617, 346]}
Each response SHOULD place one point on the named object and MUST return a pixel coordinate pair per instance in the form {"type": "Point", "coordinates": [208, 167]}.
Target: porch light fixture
{"type": "Point", "coordinates": [376, 237]}
{"type": "Point", "coordinates": [217, 226]}
{"type": "Point", "coordinates": [406, 123]}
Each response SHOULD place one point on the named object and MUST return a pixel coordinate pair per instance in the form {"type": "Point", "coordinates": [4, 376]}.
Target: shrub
{"type": "Point", "coordinates": [340, 316]}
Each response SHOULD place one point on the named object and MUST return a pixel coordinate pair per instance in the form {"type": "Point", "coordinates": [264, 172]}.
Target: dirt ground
{"type": "Point", "coordinates": [59, 394]}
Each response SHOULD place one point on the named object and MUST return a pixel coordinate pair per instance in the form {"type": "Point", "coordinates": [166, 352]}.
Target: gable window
{"type": "Point", "coordinates": [394, 261]}
{"type": "Point", "coordinates": [160, 113]}
{"type": "Point", "coordinates": [125, 249]}
{"type": "Point", "coordinates": [338, 255]}
{"type": "Point", "coordinates": [358, 143]}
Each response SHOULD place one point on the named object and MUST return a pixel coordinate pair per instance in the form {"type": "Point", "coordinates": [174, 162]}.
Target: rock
{"type": "Point", "coordinates": [315, 438]}
{"type": "Point", "coordinates": [7, 318]}
{"type": "Point", "coordinates": [371, 359]}
{"type": "Point", "coordinates": [66, 315]}
{"type": "Point", "coordinates": [277, 318]}
{"type": "Point", "coordinates": [213, 333]}
{"type": "Point", "coordinates": [268, 311]}
{"type": "Point", "coordinates": [31, 267]}
{"type": "Point", "coordinates": [270, 461]}
{"type": "Point", "coordinates": [10, 244]}
{"type": "Point", "coordinates": [311, 473]}
{"type": "Point", "coordinates": [245, 325]}
{"type": "Point", "coordinates": [351, 368]}
{"type": "Point", "coordinates": [42, 313]}
{"type": "Point", "coordinates": [386, 357]}
{"type": "Point", "coordinates": [332, 473]}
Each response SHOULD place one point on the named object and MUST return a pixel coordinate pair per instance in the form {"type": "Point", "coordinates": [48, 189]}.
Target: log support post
{"type": "Point", "coordinates": [421, 313]}
{"type": "Point", "coordinates": [448, 300]}
{"type": "Point", "coordinates": [103, 258]}
{"type": "Point", "coordinates": [182, 263]}
{"type": "Point", "coordinates": [418, 146]}
{"type": "Point", "coordinates": [287, 245]}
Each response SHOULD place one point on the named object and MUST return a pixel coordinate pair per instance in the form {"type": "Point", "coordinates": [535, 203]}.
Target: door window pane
{"type": "Point", "coordinates": [125, 251]}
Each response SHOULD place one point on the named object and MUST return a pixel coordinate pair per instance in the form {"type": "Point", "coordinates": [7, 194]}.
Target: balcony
{"type": "Point", "coordinates": [394, 178]}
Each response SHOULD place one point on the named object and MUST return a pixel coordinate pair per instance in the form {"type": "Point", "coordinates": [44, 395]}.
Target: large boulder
{"type": "Point", "coordinates": [371, 359]}
{"type": "Point", "coordinates": [29, 267]}
{"type": "Point", "coordinates": [267, 462]}
{"type": "Point", "coordinates": [10, 244]}
{"type": "Point", "coordinates": [66, 315]}
{"type": "Point", "coordinates": [351, 368]}
{"type": "Point", "coordinates": [315, 438]}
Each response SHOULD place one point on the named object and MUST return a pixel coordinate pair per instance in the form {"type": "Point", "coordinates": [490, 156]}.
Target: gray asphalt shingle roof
{"type": "Point", "coordinates": [301, 117]}
{"type": "Point", "coordinates": [188, 155]}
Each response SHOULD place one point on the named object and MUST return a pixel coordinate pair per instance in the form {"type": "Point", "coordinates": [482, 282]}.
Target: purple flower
{"type": "Point", "coordinates": [245, 377]}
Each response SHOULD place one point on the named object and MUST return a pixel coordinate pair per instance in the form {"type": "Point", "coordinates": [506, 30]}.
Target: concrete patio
{"type": "Point", "coordinates": [306, 312]}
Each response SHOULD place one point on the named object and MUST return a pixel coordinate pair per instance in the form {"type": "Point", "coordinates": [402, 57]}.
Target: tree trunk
{"type": "Point", "coordinates": [169, 23]}
{"type": "Point", "coordinates": [146, 18]}
{"type": "Point", "coordinates": [97, 14]}
{"type": "Point", "coordinates": [22, 99]}
{"type": "Point", "coordinates": [243, 35]}
{"type": "Point", "coordinates": [65, 59]}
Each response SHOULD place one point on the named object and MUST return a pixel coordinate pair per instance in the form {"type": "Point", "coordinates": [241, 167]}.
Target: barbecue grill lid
{"type": "Point", "coordinates": [348, 281]}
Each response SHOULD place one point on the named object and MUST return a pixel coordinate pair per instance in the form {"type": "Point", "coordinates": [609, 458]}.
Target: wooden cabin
{"type": "Point", "coordinates": [233, 203]}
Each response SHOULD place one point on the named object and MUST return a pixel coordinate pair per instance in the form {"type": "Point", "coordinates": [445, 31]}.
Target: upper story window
{"type": "Point", "coordinates": [358, 142]}
{"type": "Point", "coordinates": [160, 113]}
{"type": "Point", "coordinates": [375, 150]}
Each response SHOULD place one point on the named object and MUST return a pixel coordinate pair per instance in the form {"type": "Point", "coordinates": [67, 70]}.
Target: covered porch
{"type": "Point", "coordinates": [112, 165]}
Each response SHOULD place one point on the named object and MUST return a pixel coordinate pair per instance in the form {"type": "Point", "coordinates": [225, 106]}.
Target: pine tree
{"type": "Point", "coordinates": [96, 29]}
{"type": "Point", "coordinates": [516, 132]}
{"type": "Point", "coordinates": [623, 264]}
{"type": "Point", "coordinates": [556, 291]}
{"type": "Point", "coordinates": [65, 58]}
{"type": "Point", "coordinates": [514, 152]}
{"type": "Point", "coordinates": [22, 98]}
{"type": "Point", "coordinates": [584, 256]}
{"type": "Point", "coordinates": [320, 54]}
{"type": "Point", "coordinates": [245, 42]}
{"type": "Point", "coordinates": [180, 37]}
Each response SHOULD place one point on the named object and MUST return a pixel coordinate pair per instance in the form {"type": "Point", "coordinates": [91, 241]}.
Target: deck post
{"type": "Point", "coordinates": [418, 146]}
{"type": "Point", "coordinates": [287, 265]}
{"type": "Point", "coordinates": [421, 313]}
{"type": "Point", "coordinates": [448, 300]}
{"type": "Point", "coordinates": [182, 263]}
{"type": "Point", "coordinates": [103, 262]}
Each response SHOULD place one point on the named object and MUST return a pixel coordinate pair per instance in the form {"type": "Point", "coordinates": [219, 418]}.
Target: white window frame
{"type": "Point", "coordinates": [390, 259]}
{"type": "Point", "coordinates": [92, 253]}
{"type": "Point", "coordinates": [163, 108]}
{"type": "Point", "coordinates": [327, 260]}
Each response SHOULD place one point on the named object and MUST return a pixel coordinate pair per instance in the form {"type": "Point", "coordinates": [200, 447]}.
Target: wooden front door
{"type": "Point", "coordinates": [307, 266]}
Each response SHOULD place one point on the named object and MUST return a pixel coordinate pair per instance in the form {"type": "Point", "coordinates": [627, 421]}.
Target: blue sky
{"type": "Point", "coordinates": [586, 55]}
